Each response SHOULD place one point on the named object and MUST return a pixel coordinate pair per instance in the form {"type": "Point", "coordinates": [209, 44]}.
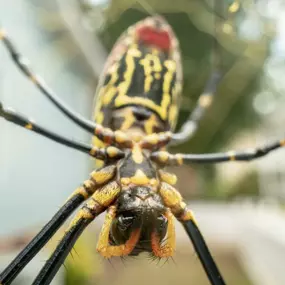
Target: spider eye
{"type": "Point", "coordinates": [126, 219]}
{"type": "Point", "coordinates": [161, 220]}
{"type": "Point", "coordinates": [161, 226]}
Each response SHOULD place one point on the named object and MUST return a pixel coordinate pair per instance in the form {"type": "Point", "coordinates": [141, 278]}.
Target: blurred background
{"type": "Point", "coordinates": [240, 206]}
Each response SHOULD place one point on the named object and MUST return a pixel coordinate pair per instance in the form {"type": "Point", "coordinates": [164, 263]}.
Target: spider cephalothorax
{"type": "Point", "coordinates": [140, 207]}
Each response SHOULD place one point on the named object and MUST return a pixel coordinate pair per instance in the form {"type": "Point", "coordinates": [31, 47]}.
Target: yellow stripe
{"type": "Point", "coordinates": [168, 177]}
{"type": "Point", "coordinates": [106, 94]}
{"type": "Point", "coordinates": [2, 34]}
{"type": "Point", "coordinates": [179, 158]}
{"type": "Point", "coordinates": [93, 151]}
{"type": "Point", "coordinates": [149, 125]}
{"type": "Point", "coordinates": [234, 7]}
{"type": "Point", "coordinates": [147, 72]}
{"type": "Point", "coordinates": [163, 156]}
{"type": "Point", "coordinates": [205, 100]}
{"type": "Point", "coordinates": [128, 75]}
{"type": "Point", "coordinates": [129, 119]}
{"type": "Point", "coordinates": [139, 178]}
{"type": "Point", "coordinates": [112, 151]}
{"type": "Point", "coordinates": [232, 155]}
{"type": "Point", "coordinates": [29, 126]}
{"type": "Point", "coordinates": [123, 99]}
{"type": "Point", "coordinates": [125, 180]}
{"type": "Point", "coordinates": [137, 155]}
{"type": "Point", "coordinates": [149, 69]}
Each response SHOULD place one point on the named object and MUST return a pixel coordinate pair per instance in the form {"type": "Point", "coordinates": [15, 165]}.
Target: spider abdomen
{"type": "Point", "coordinates": [141, 82]}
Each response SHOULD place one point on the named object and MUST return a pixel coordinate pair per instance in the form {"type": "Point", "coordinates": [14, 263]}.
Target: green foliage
{"type": "Point", "coordinates": [248, 186]}
{"type": "Point", "coordinates": [83, 265]}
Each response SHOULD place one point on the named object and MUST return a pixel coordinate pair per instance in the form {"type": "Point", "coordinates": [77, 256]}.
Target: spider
{"type": "Point", "coordinates": [136, 112]}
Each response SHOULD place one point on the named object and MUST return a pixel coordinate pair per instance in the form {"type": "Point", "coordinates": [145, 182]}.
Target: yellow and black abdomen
{"type": "Point", "coordinates": [140, 87]}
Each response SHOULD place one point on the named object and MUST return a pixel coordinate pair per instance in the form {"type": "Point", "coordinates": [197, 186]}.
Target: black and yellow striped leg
{"type": "Point", "coordinates": [155, 141]}
{"type": "Point", "coordinates": [67, 242]}
{"type": "Point", "coordinates": [174, 201]}
{"type": "Point", "coordinates": [20, 120]}
{"type": "Point", "coordinates": [100, 200]}
{"type": "Point", "coordinates": [97, 179]}
{"type": "Point", "coordinates": [189, 128]}
{"type": "Point", "coordinates": [104, 134]}
{"type": "Point", "coordinates": [165, 158]}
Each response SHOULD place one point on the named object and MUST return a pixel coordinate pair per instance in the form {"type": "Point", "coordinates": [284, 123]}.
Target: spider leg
{"type": "Point", "coordinates": [189, 128]}
{"type": "Point", "coordinates": [104, 134]}
{"type": "Point", "coordinates": [66, 243]}
{"type": "Point", "coordinates": [100, 200]}
{"type": "Point", "coordinates": [165, 158]}
{"type": "Point", "coordinates": [107, 250]}
{"type": "Point", "coordinates": [21, 120]}
{"type": "Point", "coordinates": [203, 251]}
{"type": "Point", "coordinates": [97, 179]}
{"type": "Point", "coordinates": [156, 141]}
{"type": "Point", "coordinates": [174, 201]}
{"type": "Point", "coordinates": [168, 247]}
{"type": "Point", "coordinates": [205, 100]}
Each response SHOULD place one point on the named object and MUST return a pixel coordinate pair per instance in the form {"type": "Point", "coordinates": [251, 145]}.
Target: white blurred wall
{"type": "Point", "coordinates": [256, 231]}
{"type": "Point", "coordinates": [37, 175]}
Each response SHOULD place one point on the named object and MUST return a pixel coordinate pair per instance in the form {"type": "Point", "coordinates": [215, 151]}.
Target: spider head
{"type": "Point", "coordinates": [139, 207]}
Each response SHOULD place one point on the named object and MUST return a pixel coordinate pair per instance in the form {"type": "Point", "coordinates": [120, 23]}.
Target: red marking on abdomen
{"type": "Point", "coordinates": [154, 37]}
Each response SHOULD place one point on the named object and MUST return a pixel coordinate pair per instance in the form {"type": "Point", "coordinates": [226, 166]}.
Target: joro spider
{"type": "Point", "coordinates": [136, 112]}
